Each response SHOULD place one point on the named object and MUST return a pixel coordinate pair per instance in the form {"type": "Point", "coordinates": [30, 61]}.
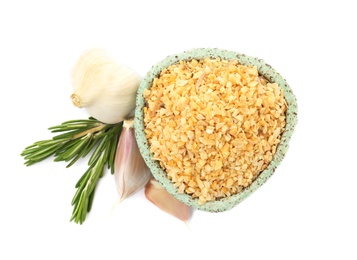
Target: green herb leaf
{"type": "Point", "coordinates": [76, 140]}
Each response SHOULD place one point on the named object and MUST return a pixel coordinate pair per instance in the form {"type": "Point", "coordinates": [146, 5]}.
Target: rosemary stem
{"type": "Point", "coordinates": [90, 131]}
{"type": "Point", "coordinates": [76, 140]}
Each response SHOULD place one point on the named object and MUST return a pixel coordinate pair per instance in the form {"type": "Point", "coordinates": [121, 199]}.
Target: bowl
{"type": "Point", "coordinates": [160, 175]}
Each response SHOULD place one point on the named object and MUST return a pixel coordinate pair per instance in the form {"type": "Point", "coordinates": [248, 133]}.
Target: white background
{"type": "Point", "coordinates": [307, 210]}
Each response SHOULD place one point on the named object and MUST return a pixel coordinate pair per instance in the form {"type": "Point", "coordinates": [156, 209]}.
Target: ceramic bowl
{"type": "Point", "coordinates": [159, 174]}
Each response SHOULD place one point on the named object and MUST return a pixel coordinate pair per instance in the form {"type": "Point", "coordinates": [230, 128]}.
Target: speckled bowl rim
{"type": "Point", "coordinates": [159, 174]}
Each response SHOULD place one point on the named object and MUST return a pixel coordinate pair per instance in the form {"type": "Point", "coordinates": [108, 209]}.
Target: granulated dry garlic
{"type": "Point", "coordinates": [213, 125]}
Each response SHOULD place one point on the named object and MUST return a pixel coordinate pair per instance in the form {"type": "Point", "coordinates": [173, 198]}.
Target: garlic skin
{"type": "Point", "coordinates": [104, 87]}
{"type": "Point", "coordinates": [130, 170]}
{"type": "Point", "coordinates": [156, 194]}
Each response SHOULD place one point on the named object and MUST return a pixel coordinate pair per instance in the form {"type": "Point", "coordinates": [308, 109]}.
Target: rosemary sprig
{"type": "Point", "coordinates": [76, 140]}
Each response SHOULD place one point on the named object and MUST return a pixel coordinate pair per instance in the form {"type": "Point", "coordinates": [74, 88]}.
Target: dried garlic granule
{"type": "Point", "coordinates": [213, 125]}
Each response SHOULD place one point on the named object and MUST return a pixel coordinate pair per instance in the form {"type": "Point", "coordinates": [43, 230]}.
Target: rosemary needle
{"type": "Point", "coordinates": [76, 139]}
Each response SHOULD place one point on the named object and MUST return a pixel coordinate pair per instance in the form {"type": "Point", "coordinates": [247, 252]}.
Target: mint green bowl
{"type": "Point", "coordinates": [159, 174]}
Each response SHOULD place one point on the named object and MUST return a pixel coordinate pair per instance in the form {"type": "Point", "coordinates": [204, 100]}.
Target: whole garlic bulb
{"type": "Point", "coordinates": [105, 88]}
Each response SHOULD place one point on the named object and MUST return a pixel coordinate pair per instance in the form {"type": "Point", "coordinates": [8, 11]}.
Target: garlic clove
{"type": "Point", "coordinates": [130, 171]}
{"type": "Point", "coordinates": [155, 193]}
{"type": "Point", "coordinates": [104, 87]}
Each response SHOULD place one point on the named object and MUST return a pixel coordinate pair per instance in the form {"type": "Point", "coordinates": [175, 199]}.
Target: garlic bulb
{"type": "Point", "coordinates": [130, 171]}
{"type": "Point", "coordinates": [105, 88]}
